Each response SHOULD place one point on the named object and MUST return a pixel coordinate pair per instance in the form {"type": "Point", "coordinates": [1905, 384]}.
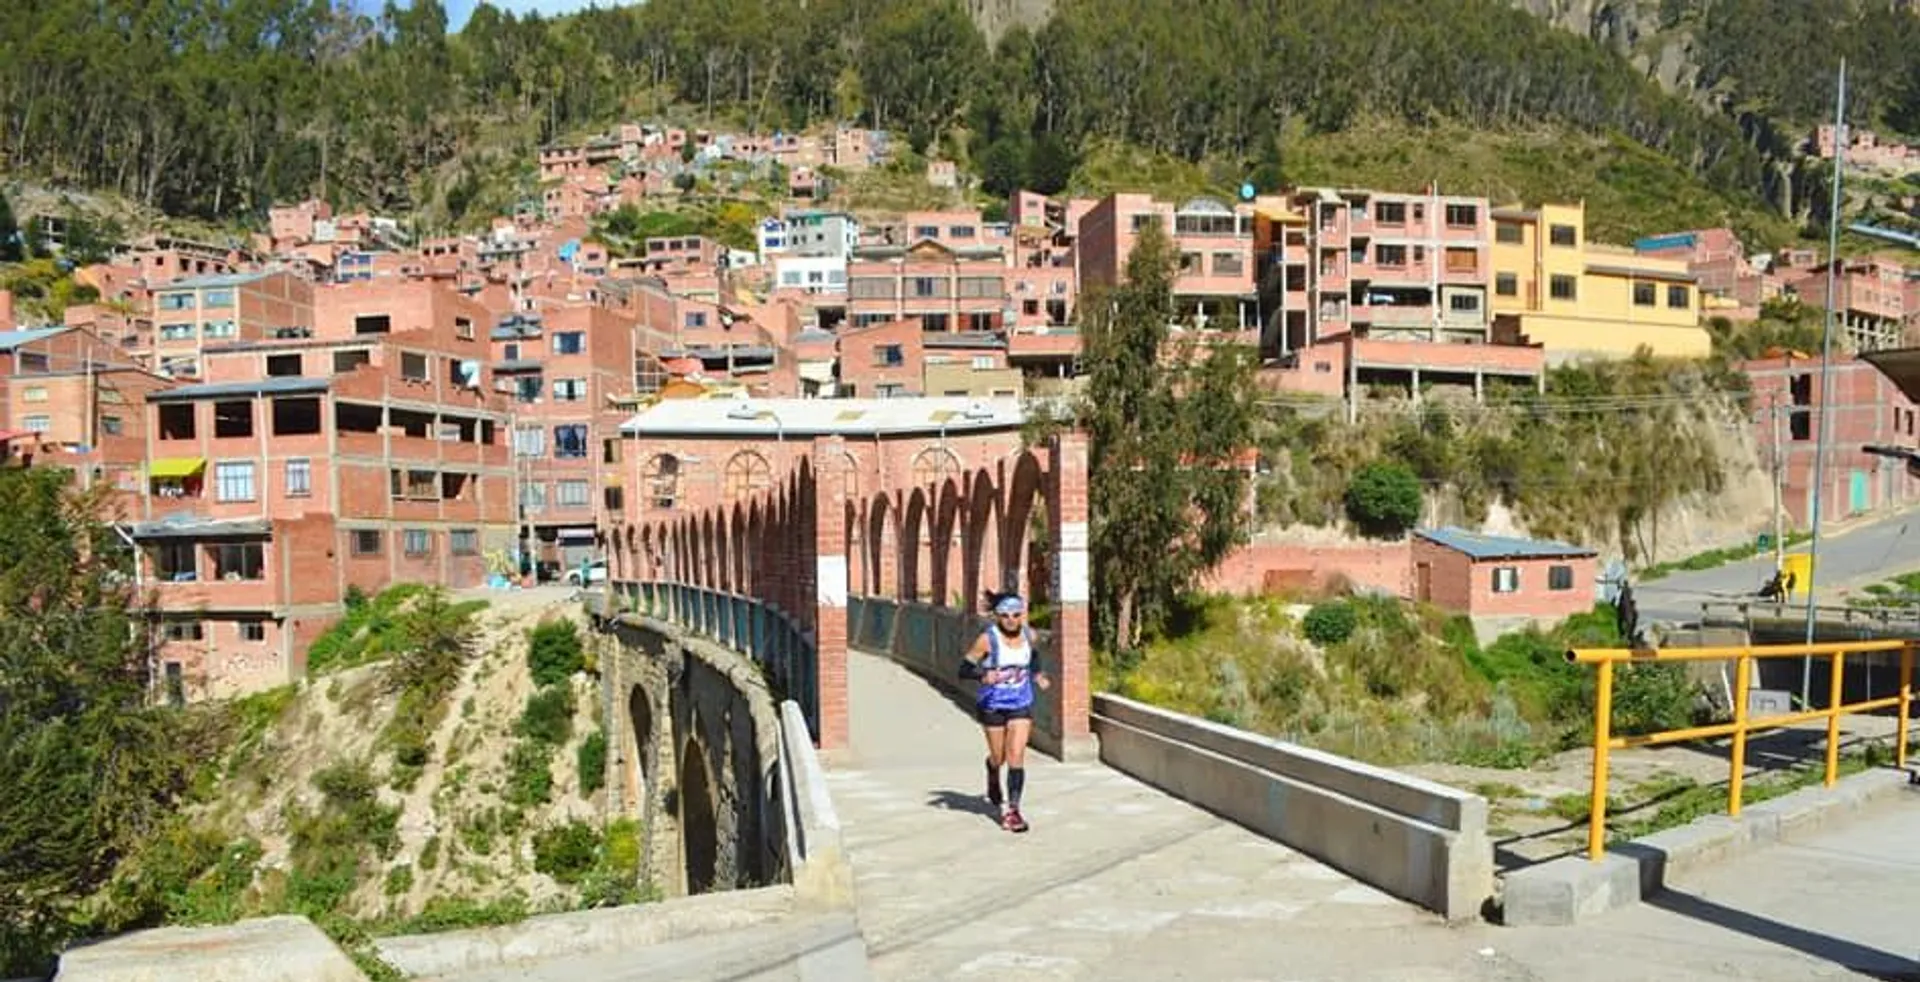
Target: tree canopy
{"type": "Point", "coordinates": [90, 769]}
{"type": "Point", "coordinates": [1166, 422]}
{"type": "Point", "coordinates": [222, 109]}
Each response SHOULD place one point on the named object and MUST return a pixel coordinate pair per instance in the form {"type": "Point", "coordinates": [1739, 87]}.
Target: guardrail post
{"type": "Point", "coordinates": [1602, 737]}
{"type": "Point", "coordinates": [1741, 686]}
{"type": "Point", "coordinates": [1833, 717]}
{"type": "Point", "coordinates": [1906, 704]}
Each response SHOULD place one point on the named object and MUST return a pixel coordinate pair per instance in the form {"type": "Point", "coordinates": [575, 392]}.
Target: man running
{"type": "Point", "coordinates": [1007, 666]}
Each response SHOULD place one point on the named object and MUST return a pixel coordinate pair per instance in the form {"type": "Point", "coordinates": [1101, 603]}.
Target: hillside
{"type": "Point", "coordinates": [396, 791]}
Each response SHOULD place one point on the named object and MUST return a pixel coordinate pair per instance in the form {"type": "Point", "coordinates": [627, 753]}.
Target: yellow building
{"type": "Point", "coordinates": [1553, 288]}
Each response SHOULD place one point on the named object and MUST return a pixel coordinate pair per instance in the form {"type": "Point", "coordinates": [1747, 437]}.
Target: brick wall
{"type": "Point", "coordinates": [1266, 566]}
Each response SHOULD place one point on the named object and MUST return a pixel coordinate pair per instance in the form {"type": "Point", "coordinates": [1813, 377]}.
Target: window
{"type": "Point", "coordinates": [238, 561]}
{"type": "Point", "coordinates": [1559, 577]}
{"type": "Point", "coordinates": [347, 361]}
{"type": "Point", "coordinates": [177, 332]}
{"type": "Point", "coordinates": [463, 328]}
{"type": "Point", "coordinates": [888, 356]}
{"type": "Point", "coordinates": [983, 363]}
{"type": "Point", "coordinates": [533, 497]}
{"type": "Point", "coordinates": [219, 329]}
{"type": "Point", "coordinates": [1462, 216]}
{"type": "Point", "coordinates": [176, 562]}
{"type": "Point", "coordinates": [218, 298]}
{"type": "Point", "coordinates": [1390, 213]}
{"type": "Point", "coordinates": [663, 480]}
{"type": "Point", "coordinates": [372, 324]}
{"type": "Point", "coordinates": [569, 389]}
{"type": "Point", "coordinates": [233, 419]}
{"type": "Point", "coordinates": [279, 365]}
{"type": "Point", "coordinates": [747, 473]}
{"type": "Point", "coordinates": [530, 441]}
{"type": "Point", "coordinates": [413, 366]}
{"type": "Point", "coordinates": [960, 232]}
{"type": "Point", "coordinates": [417, 542]}
{"type": "Point", "coordinates": [1561, 288]}
{"type": "Point", "coordinates": [253, 630]}
{"type": "Point", "coordinates": [572, 494]}
{"type": "Point", "coordinates": [1390, 255]}
{"type": "Point", "coordinates": [112, 426]}
{"type": "Point", "coordinates": [38, 423]}
{"type": "Point", "coordinates": [176, 685]}
{"type": "Point", "coordinates": [696, 318]}
{"type": "Point", "coordinates": [1563, 235]}
{"type": "Point", "coordinates": [615, 498]}
{"type": "Point", "coordinates": [176, 421]}
{"type": "Point", "coordinates": [233, 481]}
{"type": "Point", "coordinates": [184, 631]}
{"type": "Point", "coordinates": [1643, 295]}
{"type": "Point", "coordinates": [570, 442]}
{"type": "Point", "coordinates": [1464, 303]}
{"type": "Point", "coordinates": [1679, 297]}
{"type": "Point", "coordinates": [1506, 284]}
{"type": "Point", "coordinates": [1509, 233]}
{"type": "Point", "coordinates": [366, 542]}
{"type": "Point", "coordinates": [424, 485]}
{"type": "Point", "coordinates": [299, 477]}
{"type": "Point", "coordinates": [569, 343]}
{"type": "Point", "coordinates": [37, 393]}
{"type": "Point", "coordinates": [176, 301]}
{"type": "Point", "coordinates": [926, 286]}
{"type": "Point", "coordinates": [463, 542]}
{"type": "Point", "coordinates": [1506, 579]}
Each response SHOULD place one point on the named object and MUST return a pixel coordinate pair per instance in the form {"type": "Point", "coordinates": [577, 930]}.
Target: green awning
{"type": "Point", "coordinates": [176, 468]}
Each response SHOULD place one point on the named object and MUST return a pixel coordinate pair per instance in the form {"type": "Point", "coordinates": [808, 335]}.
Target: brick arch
{"type": "Point", "coordinates": [737, 555]}
{"type": "Point", "coordinates": [932, 466]}
{"type": "Point", "coordinates": [1027, 488]}
{"type": "Point", "coordinates": [699, 818]}
{"type": "Point", "coordinates": [981, 542]}
{"type": "Point", "coordinates": [882, 546]}
{"type": "Point", "coordinates": [723, 548]}
{"type": "Point", "coordinates": [913, 517]}
{"type": "Point", "coordinates": [754, 552]}
{"type": "Point", "coordinates": [948, 505]}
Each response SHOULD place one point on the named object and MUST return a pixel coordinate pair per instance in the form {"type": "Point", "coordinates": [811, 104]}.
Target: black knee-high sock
{"type": "Point", "coordinates": [993, 780]}
{"type": "Point", "coordinates": [1016, 783]}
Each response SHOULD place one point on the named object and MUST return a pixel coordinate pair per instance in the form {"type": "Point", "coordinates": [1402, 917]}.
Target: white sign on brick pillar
{"type": "Point", "coordinates": [1070, 579]}
{"type": "Point", "coordinates": [830, 577]}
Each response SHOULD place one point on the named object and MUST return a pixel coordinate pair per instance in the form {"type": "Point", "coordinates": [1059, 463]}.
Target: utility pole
{"type": "Point", "coordinates": [1826, 371]}
{"type": "Point", "coordinates": [1779, 477]}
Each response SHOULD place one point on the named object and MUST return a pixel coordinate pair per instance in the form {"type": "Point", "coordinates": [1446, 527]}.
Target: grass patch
{"type": "Point", "coordinates": [369, 630]}
{"type": "Point", "coordinates": [1714, 558]}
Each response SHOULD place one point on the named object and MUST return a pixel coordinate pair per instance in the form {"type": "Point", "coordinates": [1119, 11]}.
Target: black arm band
{"type": "Point", "coordinates": [970, 669]}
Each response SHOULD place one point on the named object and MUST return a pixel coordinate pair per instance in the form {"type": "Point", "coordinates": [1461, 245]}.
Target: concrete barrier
{"type": "Point", "coordinates": [1571, 889]}
{"type": "Point", "coordinates": [1417, 840]}
{"type": "Point", "coordinates": [266, 949]}
{"type": "Point", "coordinates": [816, 854]}
{"type": "Point", "coordinates": [587, 932]}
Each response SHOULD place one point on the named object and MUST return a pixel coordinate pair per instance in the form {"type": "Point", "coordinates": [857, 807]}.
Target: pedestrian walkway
{"type": "Point", "coordinates": [1117, 881]}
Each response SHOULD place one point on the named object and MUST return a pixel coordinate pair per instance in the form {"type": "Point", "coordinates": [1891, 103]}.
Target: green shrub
{"type": "Point", "coordinates": [566, 852]}
{"type": "Point", "coordinates": [1329, 623]}
{"type": "Point", "coordinates": [554, 652]}
{"type": "Point", "coordinates": [1384, 499]}
{"type": "Point", "coordinates": [548, 717]}
{"type": "Point", "coordinates": [399, 880]}
{"type": "Point", "coordinates": [592, 760]}
{"type": "Point", "coordinates": [430, 853]}
{"type": "Point", "coordinates": [529, 774]}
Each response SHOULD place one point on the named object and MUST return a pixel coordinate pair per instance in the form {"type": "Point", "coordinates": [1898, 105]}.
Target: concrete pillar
{"type": "Point", "coordinates": [830, 591]}
{"type": "Point", "coordinates": [1415, 388]}
{"type": "Point", "coordinates": [1479, 386]}
{"type": "Point", "coordinates": [1072, 621]}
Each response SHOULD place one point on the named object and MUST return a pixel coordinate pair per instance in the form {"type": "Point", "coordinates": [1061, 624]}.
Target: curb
{"type": "Point", "coordinates": [1571, 889]}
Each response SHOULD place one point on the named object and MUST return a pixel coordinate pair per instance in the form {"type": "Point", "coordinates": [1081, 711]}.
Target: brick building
{"type": "Point", "coordinates": [197, 312]}
{"type": "Point", "coordinates": [1500, 581]}
{"type": "Point", "coordinates": [1868, 409]}
{"type": "Point", "coordinates": [306, 466]}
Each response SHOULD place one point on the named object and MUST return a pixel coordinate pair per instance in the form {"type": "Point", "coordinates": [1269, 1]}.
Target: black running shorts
{"type": "Point", "coordinates": [999, 717]}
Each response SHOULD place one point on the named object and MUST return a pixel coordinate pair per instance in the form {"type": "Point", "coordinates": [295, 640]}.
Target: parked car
{"type": "Point", "coordinates": [596, 572]}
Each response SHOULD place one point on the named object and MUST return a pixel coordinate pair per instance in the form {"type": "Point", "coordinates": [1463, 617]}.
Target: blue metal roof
{"type": "Point", "coordinates": [1481, 546]}
{"type": "Point", "coordinates": [10, 340]}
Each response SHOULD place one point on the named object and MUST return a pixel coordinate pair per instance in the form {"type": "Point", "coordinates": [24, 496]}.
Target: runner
{"type": "Point", "coordinates": [1006, 664]}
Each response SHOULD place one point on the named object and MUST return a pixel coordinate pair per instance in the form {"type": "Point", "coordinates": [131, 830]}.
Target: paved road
{"type": "Point", "coordinates": [1852, 557]}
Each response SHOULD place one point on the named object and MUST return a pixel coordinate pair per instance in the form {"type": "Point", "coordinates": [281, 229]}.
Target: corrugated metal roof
{"type": "Point", "coordinates": [823, 417]}
{"type": "Point", "coordinates": [1481, 546]}
{"type": "Point", "coordinates": [196, 527]}
{"type": "Point", "coordinates": [10, 340]}
{"type": "Point", "coordinates": [218, 280]}
{"type": "Point", "coordinates": [276, 386]}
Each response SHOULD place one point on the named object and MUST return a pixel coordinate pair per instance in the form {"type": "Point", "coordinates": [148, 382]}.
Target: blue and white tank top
{"type": "Point", "coordinates": [1014, 658]}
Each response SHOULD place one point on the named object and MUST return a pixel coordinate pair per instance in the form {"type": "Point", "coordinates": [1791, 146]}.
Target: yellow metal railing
{"type": "Point", "coordinates": [1604, 741]}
